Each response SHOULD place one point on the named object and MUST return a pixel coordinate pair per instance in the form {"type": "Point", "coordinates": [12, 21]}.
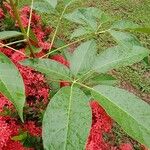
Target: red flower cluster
{"type": "Point", "coordinates": [101, 123]}
{"type": "Point", "coordinates": [37, 90]}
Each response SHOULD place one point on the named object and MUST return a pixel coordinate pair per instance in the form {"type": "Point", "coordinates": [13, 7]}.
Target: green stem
{"type": "Point", "coordinates": [57, 27]}
{"type": "Point", "coordinates": [16, 42]}
{"type": "Point", "coordinates": [74, 42]}
{"type": "Point", "coordinates": [3, 45]}
{"type": "Point", "coordinates": [18, 19]}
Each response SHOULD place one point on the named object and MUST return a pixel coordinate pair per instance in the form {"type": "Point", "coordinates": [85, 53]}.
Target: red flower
{"type": "Point", "coordinates": [33, 130]}
{"type": "Point", "coordinates": [126, 146]}
{"type": "Point", "coordinates": [101, 123]}
{"type": "Point", "coordinates": [1, 14]}
{"type": "Point", "coordinates": [4, 103]}
{"type": "Point", "coordinates": [15, 145]}
{"type": "Point", "coordinates": [5, 133]}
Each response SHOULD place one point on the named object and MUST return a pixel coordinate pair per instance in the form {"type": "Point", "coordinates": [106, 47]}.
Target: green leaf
{"type": "Point", "coordinates": [104, 79]}
{"type": "Point", "coordinates": [118, 56]}
{"type": "Point", "coordinates": [129, 25]}
{"type": "Point", "coordinates": [43, 7]}
{"type": "Point", "coordinates": [83, 57]}
{"type": "Point", "coordinates": [130, 112]}
{"type": "Point", "coordinates": [53, 3]}
{"type": "Point", "coordinates": [9, 34]}
{"type": "Point", "coordinates": [11, 84]}
{"type": "Point", "coordinates": [80, 32]}
{"type": "Point", "coordinates": [124, 24]}
{"type": "Point", "coordinates": [80, 16]}
{"type": "Point", "coordinates": [125, 39]}
{"type": "Point", "coordinates": [88, 16]}
{"type": "Point", "coordinates": [67, 120]}
{"type": "Point", "coordinates": [50, 68]}
{"type": "Point", "coordinates": [20, 137]}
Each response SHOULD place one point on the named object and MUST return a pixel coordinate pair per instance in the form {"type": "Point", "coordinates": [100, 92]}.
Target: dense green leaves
{"type": "Point", "coordinates": [50, 68]}
{"type": "Point", "coordinates": [9, 34]}
{"type": "Point", "coordinates": [67, 120]}
{"type": "Point", "coordinates": [119, 56]}
{"type": "Point", "coordinates": [11, 84]}
{"type": "Point", "coordinates": [83, 57]}
{"type": "Point", "coordinates": [129, 111]}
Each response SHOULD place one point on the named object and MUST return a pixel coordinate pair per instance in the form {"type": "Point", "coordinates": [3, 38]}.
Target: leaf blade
{"type": "Point", "coordinates": [125, 108]}
{"type": "Point", "coordinates": [11, 84]}
{"type": "Point", "coordinates": [50, 68]}
{"type": "Point", "coordinates": [66, 127]}
{"type": "Point", "coordinates": [85, 52]}
{"type": "Point", "coordinates": [9, 34]}
{"type": "Point", "coordinates": [118, 56]}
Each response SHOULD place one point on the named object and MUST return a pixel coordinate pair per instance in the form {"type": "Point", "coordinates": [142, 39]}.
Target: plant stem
{"type": "Point", "coordinates": [57, 27]}
{"type": "Point", "coordinates": [17, 17]}
{"type": "Point", "coordinates": [74, 42]}
{"type": "Point", "coordinates": [14, 42]}
{"type": "Point", "coordinates": [30, 18]}
{"type": "Point", "coordinates": [3, 45]}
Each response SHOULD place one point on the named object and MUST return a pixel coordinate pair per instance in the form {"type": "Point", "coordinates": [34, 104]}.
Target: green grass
{"type": "Point", "coordinates": [137, 11]}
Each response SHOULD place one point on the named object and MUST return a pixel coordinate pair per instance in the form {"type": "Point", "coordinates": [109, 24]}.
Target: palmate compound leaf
{"type": "Point", "coordinates": [129, 111]}
{"type": "Point", "coordinates": [83, 57]}
{"type": "Point", "coordinates": [119, 56]}
{"type": "Point", "coordinates": [52, 69]}
{"type": "Point", "coordinates": [11, 84]}
{"type": "Point", "coordinates": [67, 120]}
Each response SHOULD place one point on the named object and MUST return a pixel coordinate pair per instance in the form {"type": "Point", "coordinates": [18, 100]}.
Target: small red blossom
{"type": "Point", "coordinates": [8, 8]}
{"type": "Point", "coordinates": [33, 130]}
{"type": "Point", "coordinates": [126, 146]}
{"type": "Point", "coordinates": [15, 145]}
{"type": "Point", "coordinates": [5, 133]}
{"type": "Point", "coordinates": [1, 14]}
{"type": "Point", "coordinates": [4, 103]}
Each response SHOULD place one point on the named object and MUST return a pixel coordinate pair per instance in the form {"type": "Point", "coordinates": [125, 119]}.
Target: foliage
{"type": "Point", "coordinates": [67, 119]}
